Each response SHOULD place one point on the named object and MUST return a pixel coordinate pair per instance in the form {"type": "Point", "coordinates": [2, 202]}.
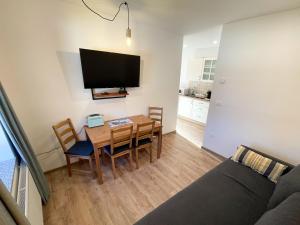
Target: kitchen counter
{"type": "Point", "coordinates": [194, 109]}
{"type": "Point", "coordinates": [194, 97]}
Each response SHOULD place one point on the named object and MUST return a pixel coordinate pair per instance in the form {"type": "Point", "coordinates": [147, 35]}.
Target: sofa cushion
{"type": "Point", "coordinates": [287, 185]}
{"type": "Point", "coordinates": [287, 212]}
{"type": "Point", "coordinates": [263, 165]}
{"type": "Point", "coordinates": [250, 179]}
{"type": "Point", "coordinates": [229, 194]}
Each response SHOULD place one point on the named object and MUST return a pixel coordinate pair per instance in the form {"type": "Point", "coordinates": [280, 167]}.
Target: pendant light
{"type": "Point", "coordinates": [128, 36]}
{"type": "Point", "coordinates": [128, 30]}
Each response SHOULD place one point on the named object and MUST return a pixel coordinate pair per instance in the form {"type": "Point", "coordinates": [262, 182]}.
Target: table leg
{"type": "Point", "coordinates": [159, 143]}
{"type": "Point", "coordinates": [102, 156]}
{"type": "Point", "coordinates": [98, 168]}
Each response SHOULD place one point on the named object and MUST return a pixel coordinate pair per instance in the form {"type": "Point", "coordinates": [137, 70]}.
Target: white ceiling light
{"type": "Point", "coordinates": [128, 36]}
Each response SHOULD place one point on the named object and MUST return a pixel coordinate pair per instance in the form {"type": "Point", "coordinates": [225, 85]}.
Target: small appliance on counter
{"type": "Point", "coordinates": [191, 92]}
{"type": "Point", "coordinates": [208, 94]}
{"type": "Point", "coordinates": [183, 91]}
{"type": "Point", "coordinates": [200, 95]}
{"type": "Point", "coordinates": [95, 120]}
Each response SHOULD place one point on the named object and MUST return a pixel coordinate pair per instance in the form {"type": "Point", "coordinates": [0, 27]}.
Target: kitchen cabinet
{"type": "Point", "coordinates": [193, 109]}
{"type": "Point", "coordinates": [185, 106]}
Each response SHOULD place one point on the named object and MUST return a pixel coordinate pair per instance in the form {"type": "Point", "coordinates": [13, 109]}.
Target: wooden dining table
{"type": "Point", "coordinates": [101, 136]}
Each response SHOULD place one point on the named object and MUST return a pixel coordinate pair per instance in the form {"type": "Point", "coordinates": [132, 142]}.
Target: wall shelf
{"type": "Point", "coordinates": [107, 95]}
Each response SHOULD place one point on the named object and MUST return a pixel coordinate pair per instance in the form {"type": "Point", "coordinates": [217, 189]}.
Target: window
{"type": "Point", "coordinates": [209, 69]}
{"type": "Point", "coordinates": [8, 161]}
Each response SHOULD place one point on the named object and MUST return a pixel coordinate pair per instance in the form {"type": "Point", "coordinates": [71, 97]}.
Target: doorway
{"type": "Point", "coordinates": [199, 62]}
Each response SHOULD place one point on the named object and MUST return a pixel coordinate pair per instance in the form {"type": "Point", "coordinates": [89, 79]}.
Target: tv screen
{"type": "Point", "coordinates": [109, 70]}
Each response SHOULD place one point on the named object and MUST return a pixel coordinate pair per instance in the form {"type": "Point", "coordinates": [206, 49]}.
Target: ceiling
{"type": "Point", "coordinates": [189, 16]}
{"type": "Point", "coordinates": [208, 38]}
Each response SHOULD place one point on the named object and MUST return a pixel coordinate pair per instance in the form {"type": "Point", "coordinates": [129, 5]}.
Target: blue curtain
{"type": "Point", "coordinates": [21, 144]}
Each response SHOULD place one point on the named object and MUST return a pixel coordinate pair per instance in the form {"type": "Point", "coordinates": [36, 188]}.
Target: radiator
{"type": "Point", "coordinates": [28, 197]}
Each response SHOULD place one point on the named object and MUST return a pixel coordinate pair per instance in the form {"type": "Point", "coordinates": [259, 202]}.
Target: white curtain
{"type": "Point", "coordinates": [10, 213]}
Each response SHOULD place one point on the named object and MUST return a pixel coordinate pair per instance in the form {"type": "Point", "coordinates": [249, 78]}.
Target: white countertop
{"type": "Point", "coordinates": [193, 97]}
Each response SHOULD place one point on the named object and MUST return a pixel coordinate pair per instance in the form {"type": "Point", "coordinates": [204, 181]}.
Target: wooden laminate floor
{"type": "Point", "coordinates": [193, 132]}
{"type": "Point", "coordinates": [79, 200]}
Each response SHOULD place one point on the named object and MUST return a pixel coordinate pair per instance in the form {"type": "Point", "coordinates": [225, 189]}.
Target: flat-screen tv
{"type": "Point", "coordinates": [109, 70]}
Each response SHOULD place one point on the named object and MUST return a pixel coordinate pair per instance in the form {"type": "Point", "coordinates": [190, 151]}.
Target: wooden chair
{"type": "Point", "coordinates": [156, 114]}
{"type": "Point", "coordinates": [120, 145]}
{"type": "Point", "coordinates": [143, 139]}
{"type": "Point", "coordinates": [71, 145]}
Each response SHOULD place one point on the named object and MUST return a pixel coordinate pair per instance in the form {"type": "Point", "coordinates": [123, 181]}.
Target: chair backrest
{"type": "Point", "coordinates": [121, 136]}
{"type": "Point", "coordinates": [156, 113]}
{"type": "Point", "coordinates": [65, 133]}
{"type": "Point", "coordinates": [143, 131]}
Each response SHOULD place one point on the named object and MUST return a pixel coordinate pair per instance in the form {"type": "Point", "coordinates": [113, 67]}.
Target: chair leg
{"type": "Point", "coordinates": [91, 164]}
{"type": "Point", "coordinates": [69, 165]}
{"type": "Point", "coordinates": [137, 158]}
{"type": "Point", "coordinates": [150, 149]}
{"type": "Point", "coordinates": [113, 167]}
{"type": "Point", "coordinates": [130, 160]}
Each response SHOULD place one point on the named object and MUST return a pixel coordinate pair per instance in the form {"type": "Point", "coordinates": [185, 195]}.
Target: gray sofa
{"type": "Point", "coordinates": [230, 194]}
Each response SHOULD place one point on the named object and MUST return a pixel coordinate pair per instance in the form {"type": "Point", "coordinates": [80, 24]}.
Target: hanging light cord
{"type": "Point", "coordinates": [108, 19]}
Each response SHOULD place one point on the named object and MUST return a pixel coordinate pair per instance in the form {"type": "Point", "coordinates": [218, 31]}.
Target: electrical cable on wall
{"type": "Point", "coordinates": [128, 30]}
{"type": "Point", "coordinates": [55, 148]}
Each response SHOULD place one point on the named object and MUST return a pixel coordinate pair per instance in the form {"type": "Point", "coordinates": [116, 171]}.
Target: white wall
{"type": "Point", "coordinates": [40, 67]}
{"type": "Point", "coordinates": [259, 103]}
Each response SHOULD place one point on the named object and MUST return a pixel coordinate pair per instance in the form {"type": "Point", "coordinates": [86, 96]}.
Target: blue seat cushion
{"type": "Point", "coordinates": [81, 148]}
{"type": "Point", "coordinates": [117, 150]}
{"type": "Point", "coordinates": [142, 142]}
